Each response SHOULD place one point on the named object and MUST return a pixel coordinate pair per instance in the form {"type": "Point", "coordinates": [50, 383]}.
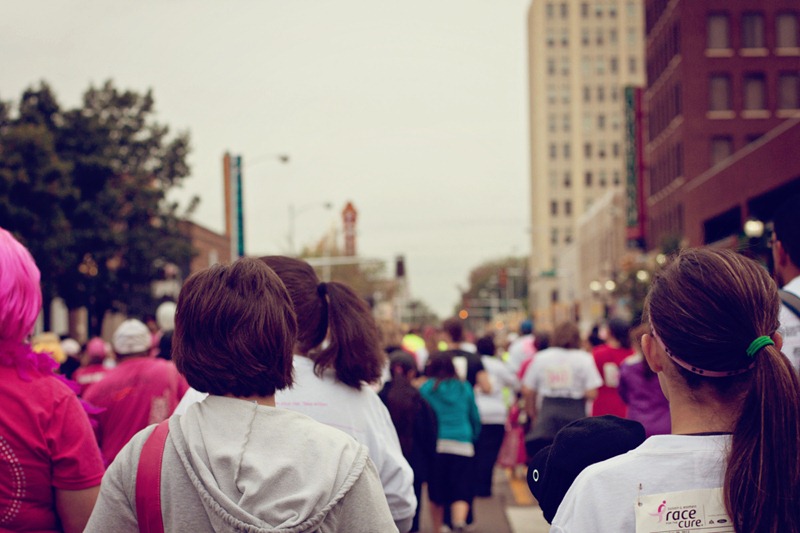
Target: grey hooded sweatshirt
{"type": "Point", "coordinates": [234, 465]}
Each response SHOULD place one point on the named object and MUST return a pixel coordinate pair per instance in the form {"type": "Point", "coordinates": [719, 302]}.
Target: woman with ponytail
{"type": "Point", "coordinates": [734, 453]}
{"type": "Point", "coordinates": [337, 356]}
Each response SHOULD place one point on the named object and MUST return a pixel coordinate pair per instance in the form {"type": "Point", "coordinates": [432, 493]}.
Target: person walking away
{"type": "Point", "coordinates": [608, 358]}
{"type": "Point", "coordinates": [51, 463]}
{"type": "Point", "coordinates": [493, 411]}
{"type": "Point", "coordinates": [522, 348]}
{"type": "Point", "coordinates": [734, 452]}
{"type": "Point", "coordinates": [141, 390]}
{"type": "Point", "coordinates": [235, 462]}
{"type": "Point", "coordinates": [639, 389]}
{"type": "Point", "coordinates": [453, 401]}
{"type": "Point", "coordinates": [93, 369]}
{"type": "Point", "coordinates": [785, 245]}
{"type": "Point", "coordinates": [564, 377]}
{"type": "Point", "coordinates": [414, 420]}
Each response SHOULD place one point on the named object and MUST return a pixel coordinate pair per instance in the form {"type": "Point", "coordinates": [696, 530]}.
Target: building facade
{"type": "Point", "coordinates": [581, 57]}
{"type": "Point", "coordinates": [723, 91]}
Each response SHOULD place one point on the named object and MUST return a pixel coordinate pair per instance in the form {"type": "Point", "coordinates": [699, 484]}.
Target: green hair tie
{"type": "Point", "coordinates": [759, 343]}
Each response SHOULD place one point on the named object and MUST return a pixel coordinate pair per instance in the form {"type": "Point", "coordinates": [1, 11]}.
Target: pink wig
{"type": "Point", "coordinates": [20, 294]}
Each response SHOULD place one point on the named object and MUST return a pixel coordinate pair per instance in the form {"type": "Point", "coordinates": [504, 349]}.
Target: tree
{"type": "Point", "coordinates": [499, 284]}
{"type": "Point", "coordinates": [107, 167]}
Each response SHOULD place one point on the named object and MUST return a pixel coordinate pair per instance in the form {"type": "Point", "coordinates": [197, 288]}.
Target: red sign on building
{"type": "Point", "coordinates": [349, 215]}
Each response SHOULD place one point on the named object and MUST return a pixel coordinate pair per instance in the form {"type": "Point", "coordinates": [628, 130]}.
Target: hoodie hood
{"type": "Point", "coordinates": [450, 393]}
{"type": "Point", "coordinates": [264, 469]}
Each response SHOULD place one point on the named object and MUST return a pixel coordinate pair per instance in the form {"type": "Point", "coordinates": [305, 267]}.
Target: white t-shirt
{"type": "Point", "coordinates": [361, 414]}
{"type": "Point", "coordinates": [790, 327]}
{"type": "Point", "coordinates": [519, 351]}
{"type": "Point", "coordinates": [603, 498]}
{"type": "Point", "coordinates": [562, 373]}
{"type": "Point", "coordinates": [492, 407]}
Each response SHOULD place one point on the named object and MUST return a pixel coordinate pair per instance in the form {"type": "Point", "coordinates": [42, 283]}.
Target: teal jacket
{"type": "Point", "coordinates": [454, 404]}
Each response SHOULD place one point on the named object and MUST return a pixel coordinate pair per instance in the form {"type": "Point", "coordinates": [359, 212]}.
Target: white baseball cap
{"type": "Point", "coordinates": [132, 336]}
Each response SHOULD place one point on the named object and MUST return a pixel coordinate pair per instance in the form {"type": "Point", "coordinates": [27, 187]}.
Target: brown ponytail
{"type": "Point", "coordinates": [707, 306]}
{"type": "Point", "coordinates": [334, 310]}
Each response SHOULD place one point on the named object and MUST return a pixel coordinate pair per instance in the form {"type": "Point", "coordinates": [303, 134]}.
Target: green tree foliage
{"type": "Point", "coordinates": [500, 284]}
{"type": "Point", "coordinates": [85, 189]}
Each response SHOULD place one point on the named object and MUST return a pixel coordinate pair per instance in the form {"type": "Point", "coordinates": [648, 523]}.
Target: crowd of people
{"type": "Point", "coordinates": [265, 399]}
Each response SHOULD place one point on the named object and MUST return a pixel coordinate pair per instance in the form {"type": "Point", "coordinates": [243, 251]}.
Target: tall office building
{"type": "Point", "coordinates": [723, 100]}
{"type": "Point", "coordinates": [582, 54]}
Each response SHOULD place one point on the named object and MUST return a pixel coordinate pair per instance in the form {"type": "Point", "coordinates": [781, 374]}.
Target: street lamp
{"type": "Point", "coordinates": [753, 228]}
{"type": "Point", "coordinates": [293, 212]}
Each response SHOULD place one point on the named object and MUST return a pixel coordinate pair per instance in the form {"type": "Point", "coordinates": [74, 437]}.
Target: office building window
{"type": "Point", "coordinates": [588, 179]}
{"type": "Point", "coordinates": [586, 65]}
{"type": "Point", "coordinates": [564, 10]}
{"type": "Point", "coordinates": [789, 91]}
{"type": "Point", "coordinates": [551, 66]}
{"type": "Point", "coordinates": [601, 93]}
{"type": "Point", "coordinates": [551, 37]}
{"type": "Point", "coordinates": [551, 94]}
{"type": "Point", "coordinates": [601, 149]}
{"type": "Point", "coordinates": [755, 96]}
{"type": "Point", "coordinates": [585, 36]}
{"type": "Point", "coordinates": [565, 93]}
{"type": "Point", "coordinates": [567, 235]}
{"type": "Point", "coordinates": [598, 11]}
{"type": "Point", "coordinates": [564, 37]}
{"type": "Point", "coordinates": [614, 94]}
{"type": "Point", "coordinates": [632, 37]}
{"type": "Point", "coordinates": [631, 8]}
{"type": "Point", "coordinates": [612, 10]}
{"type": "Point", "coordinates": [721, 147]}
{"type": "Point", "coordinates": [601, 121]}
{"type": "Point", "coordinates": [587, 93]}
{"type": "Point", "coordinates": [786, 27]}
{"type": "Point", "coordinates": [554, 240]}
{"type": "Point", "coordinates": [588, 123]}
{"type": "Point", "coordinates": [567, 207]}
{"type": "Point", "coordinates": [601, 65]}
{"type": "Point", "coordinates": [567, 151]}
{"type": "Point", "coordinates": [567, 180]}
{"type": "Point", "coordinates": [599, 37]}
{"type": "Point", "coordinates": [617, 179]}
{"type": "Point", "coordinates": [615, 149]}
{"type": "Point", "coordinates": [752, 30]}
{"type": "Point", "coordinates": [551, 123]}
{"type": "Point", "coordinates": [612, 36]}
{"type": "Point", "coordinates": [587, 150]}
{"type": "Point", "coordinates": [632, 65]}
{"type": "Point", "coordinates": [565, 66]}
{"type": "Point", "coordinates": [553, 151]}
{"type": "Point", "coordinates": [584, 10]}
{"type": "Point", "coordinates": [615, 122]}
{"type": "Point", "coordinates": [719, 35]}
{"type": "Point", "coordinates": [554, 208]}
{"type": "Point", "coordinates": [550, 10]}
{"type": "Point", "coordinates": [602, 179]}
{"type": "Point", "coordinates": [566, 123]}
{"type": "Point", "coordinates": [553, 175]}
{"type": "Point", "coordinates": [613, 65]}
{"type": "Point", "coordinates": [719, 93]}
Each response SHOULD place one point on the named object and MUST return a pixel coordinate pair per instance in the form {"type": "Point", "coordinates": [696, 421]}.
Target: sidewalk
{"type": "Point", "coordinates": [511, 509]}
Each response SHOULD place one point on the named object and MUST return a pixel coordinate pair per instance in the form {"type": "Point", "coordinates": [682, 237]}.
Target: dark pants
{"type": "Point", "coordinates": [486, 450]}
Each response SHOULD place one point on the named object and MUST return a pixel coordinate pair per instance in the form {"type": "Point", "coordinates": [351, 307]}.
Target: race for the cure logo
{"type": "Point", "coordinates": [682, 517]}
{"type": "Point", "coordinates": [660, 512]}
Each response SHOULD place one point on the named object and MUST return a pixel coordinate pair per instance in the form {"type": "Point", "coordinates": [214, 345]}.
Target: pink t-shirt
{"type": "Point", "coordinates": [140, 391]}
{"type": "Point", "coordinates": [46, 442]}
{"type": "Point", "coordinates": [608, 361]}
{"type": "Point", "coordinates": [88, 375]}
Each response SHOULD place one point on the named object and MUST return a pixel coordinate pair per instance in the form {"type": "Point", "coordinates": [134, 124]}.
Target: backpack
{"type": "Point", "coordinates": [148, 481]}
{"type": "Point", "coordinates": [791, 301]}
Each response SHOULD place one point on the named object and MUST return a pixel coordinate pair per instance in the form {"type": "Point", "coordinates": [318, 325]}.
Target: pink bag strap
{"type": "Point", "coordinates": [148, 481]}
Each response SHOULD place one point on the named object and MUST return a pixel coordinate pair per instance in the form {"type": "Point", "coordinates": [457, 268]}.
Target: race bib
{"type": "Point", "coordinates": [683, 512]}
{"type": "Point", "coordinates": [611, 375]}
{"type": "Point", "coordinates": [558, 377]}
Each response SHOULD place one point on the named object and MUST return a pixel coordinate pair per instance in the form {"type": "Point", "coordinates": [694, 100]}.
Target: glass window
{"type": "Point", "coordinates": [614, 94]}
{"type": "Point", "coordinates": [587, 150]}
{"type": "Point", "coordinates": [564, 10]}
{"type": "Point", "coordinates": [612, 10]}
{"type": "Point", "coordinates": [601, 121]}
{"type": "Point", "coordinates": [752, 30]}
{"type": "Point", "coordinates": [617, 179]}
{"type": "Point", "coordinates": [553, 179]}
{"type": "Point", "coordinates": [632, 65]}
{"type": "Point", "coordinates": [602, 179]}
{"type": "Point", "coordinates": [755, 96]}
{"type": "Point", "coordinates": [553, 151]}
{"type": "Point", "coordinates": [564, 37]}
{"type": "Point", "coordinates": [566, 122]}
{"type": "Point", "coordinates": [789, 91]}
{"type": "Point", "coordinates": [598, 11]}
{"type": "Point", "coordinates": [551, 123]}
{"type": "Point", "coordinates": [567, 180]}
{"type": "Point", "coordinates": [554, 208]}
{"type": "Point", "coordinates": [631, 8]}
{"type": "Point", "coordinates": [565, 92]}
{"type": "Point", "coordinates": [588, 179]}
{"type": "Point", "coordinates": [565, 66]}
{"type": "Point", "coordinates": [585, 10]}
{"type": "Point", "coordinates": [588, 123]}
{"type": "Point", "coordinates": [554, 240]}
{"type": "Point", "coordinates": [612, 36]}
{"type": "Point", "coordinates": [567, 235]}
{"type": "Point", "coordinates": [613, 65]}
{"type": "Point", "coordinates": [587, 94]}
{"type": "Point", "coordinates": [549, 9]}
{"type": "Point", "coordinates": [599, 36]}
{"type": "Point", "coordinates": [721, 147]}
{"type": "Point", "coordinates": [601, 150]}
{"type": "Point", "coordinates": [615, 149]}
{"type": "Point", "coordinates": [586, 65]}
{"type": "Point", "coordinates": [551, 37]}
{"type": "Point", "coordinates": [551, 66]}
{"type": "Point", "coordinates": [719, 93]}
{"type": "Point", "coordinates": [601, 93]}
{"type": "Point", "coordinates": [585, 36]}
{"type": "Point", "coordinates": [566, 151]}
{"type": "Point", "coordinates": [632, 37]}
{"type": "Point", "coordinates": [551, 94]}
{"type": "Point", "coordinates": [786, 30]}
{"type": "Point", "coordinates": [567, 207]}
{"type": "Point", "coordinates": [601, 65]}
{"type": "Point", "coordinates": [718, 28]}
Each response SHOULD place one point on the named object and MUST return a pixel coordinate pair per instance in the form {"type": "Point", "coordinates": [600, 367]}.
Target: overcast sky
{"type": "Point", "coordinates": [416, 111]}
